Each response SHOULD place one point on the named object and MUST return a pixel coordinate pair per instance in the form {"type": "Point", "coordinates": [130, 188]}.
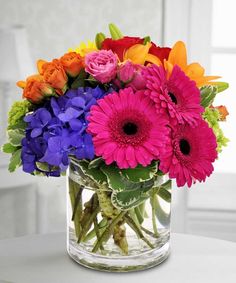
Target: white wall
{"type": "Point", "coordinates": [55, 25]}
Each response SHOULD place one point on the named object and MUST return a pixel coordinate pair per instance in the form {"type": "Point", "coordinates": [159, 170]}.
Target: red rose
{"type": "Point", "coordinates": [119, 46]}
{"type": "Point", "coordinates": [160, 52]}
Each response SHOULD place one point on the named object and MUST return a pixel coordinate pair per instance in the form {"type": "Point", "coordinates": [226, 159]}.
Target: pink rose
{"type": "Point", "coordinates": [102, 65]}
{"type": "Point", "coordinates": [126, 72]}
{"type": "Point", "coordinates": [138, 82]}
{"type": "Point", "coordinates": [131, 75]}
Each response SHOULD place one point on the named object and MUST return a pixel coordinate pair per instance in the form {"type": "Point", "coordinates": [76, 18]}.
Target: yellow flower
{"type": "Point", "coordinates": [139, 54]}
{"type": "Point", "coordinates": [84, 48]}
{"type": "Point", "coordinates": [178, 56]}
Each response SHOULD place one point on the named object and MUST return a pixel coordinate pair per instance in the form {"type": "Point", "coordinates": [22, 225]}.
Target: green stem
{"type": "Point", "coordinates": [134, 216]}
{"type": "Point", "coordinates": [74, 189]}
{"type": "Point", "coordinates": [101, 226]}
{"type": "Point", "coordinates": [105, 203]}
{"type": "Point", "coordinates": [77, 202]}
{"type": "Point", "coordinates": [137, 230]}
{"type": "Point", "coordinates": [149, 232]}
{"type": "Point", "coordinates": [89, 220]}
{"type": "Point", "coordinates": [108, 231]}
{"type": "Point", "coordinates": [153, 204]}
{"type": "Point", "coordinates": [119, 237]}
{"type": "Point", "coordinates": [96, 228]}
{"type": "Point", "coordinates": [139, 214]}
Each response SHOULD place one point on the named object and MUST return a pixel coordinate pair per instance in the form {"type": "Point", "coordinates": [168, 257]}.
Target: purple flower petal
{"type": "Point", "coordinates": [36, 132]}
{"type": "Point", "coordinates": [69, 114]}
{"type": "Point", "coordinates": [45, 116]}
{"type": "Point", "coordinates": [78, 102]}
{"type": "Point", "coordinates": [54, 144]}
{"type": "Point", "coordinates": [75, 124]}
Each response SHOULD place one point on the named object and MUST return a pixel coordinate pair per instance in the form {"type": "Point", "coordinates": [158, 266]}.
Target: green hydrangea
{"type": "Point", "coordinates": [212, 116]}
{"type": "Point", "coordinates": [17, 112]}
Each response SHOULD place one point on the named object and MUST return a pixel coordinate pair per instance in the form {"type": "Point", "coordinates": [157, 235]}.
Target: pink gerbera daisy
{"type": "Point", "coordinates": [178, 95]}
{"type": "Point", "coordinates": [190, 154]}
{"type": "Point", "coordinates": [126, 129]}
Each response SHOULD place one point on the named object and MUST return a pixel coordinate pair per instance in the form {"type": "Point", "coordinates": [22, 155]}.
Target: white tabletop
{"type": "Point", "coordinates": [43, 259]}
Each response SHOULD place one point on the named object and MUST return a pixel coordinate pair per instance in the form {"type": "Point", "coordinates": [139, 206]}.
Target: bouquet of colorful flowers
{"type": "Point", "coordinates": [125, 111]}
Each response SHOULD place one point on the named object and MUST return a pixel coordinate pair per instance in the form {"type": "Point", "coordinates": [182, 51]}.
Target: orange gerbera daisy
{"type": "Point", "coordinates": [178, 56]}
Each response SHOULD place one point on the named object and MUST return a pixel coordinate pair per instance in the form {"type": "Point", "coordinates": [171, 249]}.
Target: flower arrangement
{"type": "Point", "coordinates": [124, 100]}
{"type": "Point", "coordinates": [126, 110]}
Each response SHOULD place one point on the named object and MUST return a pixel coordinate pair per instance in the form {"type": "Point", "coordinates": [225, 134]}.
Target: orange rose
{"type": "Point", "coordinates": [223, 112]}
{"type": "Point", "coordinates": [72, 63]}
{"type": "Point", "coordinates": [54, 74]}
{"type": "Point", "coordinates": [35, 89]}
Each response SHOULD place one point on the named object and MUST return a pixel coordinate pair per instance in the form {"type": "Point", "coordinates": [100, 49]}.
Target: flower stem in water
{"type": "Point", "coordinates": [154, 208]}
{"type": "Point", "coordinates": [137, 230]}
{"type": "Point", "coordinates": [108, 231]}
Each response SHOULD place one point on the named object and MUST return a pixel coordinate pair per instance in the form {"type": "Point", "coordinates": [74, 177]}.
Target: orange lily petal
{"type": "Point", "coordinates": [201, 81]}
{"type": "Point", "coordinates": [153, 59]}
{"type": "Point", "coordinates": [178, 55]}
{"type": "Point", "coordinates": [137, 53]}
{"type": "Point", "coordinates": [194, 70]}
{"type": "Point", "coordinates": [168, 67]}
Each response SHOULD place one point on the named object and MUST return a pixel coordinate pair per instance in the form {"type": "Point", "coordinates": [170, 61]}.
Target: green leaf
{"type": "Point", "coordinates": [160, 173]}
{"type": "Point", "coordinates": [117, 181]}
{"type": "Point", "coordinates": [15, 160]}
{"type": "Point", "coordinates": [208, 94]}
{"type": "Point", "coordinates": [21, 124]}
{"type": "Point", "coordinates": [221, 86]}
{"type": "Point", "coordinates": [162, 216]}
{"type": "Point", "coordinates": [115, 32]}
{"type": "Point", "coordinates": [132, 196]}
{"type": "Point", "coordinates": [79, 80]}
{"type": "Point", "coordinates": [126, 200]}
{"type": "Point", "coordinates": [97, 162]}
{"type": "Point", "coordinates": [146, 39]}
{"type": "Point", "coordinates": [94, 173]}
{"type": "Point", "coordinates": [9, 148]}
{"type": "Point", "coordinates": [140, 173]}
{"type": "Point", "coordinates": [43, 166]}
{"type": "Point", "coordinates": [100, 37]}
{"type": "Point", "coordinates": [114, 177]}
{"type": "Point", "coordinates": [15, 136]}
{"type": "Point", "coordinates": [167, 185]}
{"type": "Point", "coordinates": [164, 194]}
{"type": "Point", "coordinates": [126, 194]}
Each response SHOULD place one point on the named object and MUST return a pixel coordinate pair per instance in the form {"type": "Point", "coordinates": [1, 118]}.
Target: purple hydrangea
{"type": "Point", "coordinates": [57, 130]}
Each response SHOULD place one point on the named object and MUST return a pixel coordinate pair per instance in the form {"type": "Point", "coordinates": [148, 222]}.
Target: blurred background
{"type": "Point", "coordinates": [45, 29]}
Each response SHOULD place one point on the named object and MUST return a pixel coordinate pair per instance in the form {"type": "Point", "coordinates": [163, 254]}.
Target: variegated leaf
{"type": "Point", "coordinates": [140, 173]}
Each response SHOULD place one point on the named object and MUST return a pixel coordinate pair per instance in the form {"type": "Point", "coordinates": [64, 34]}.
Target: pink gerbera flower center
{"type": "Point", "coordinates": [129, 128]}
{"type": "Point", "coordinates": [184, 147]}
{"type": "Point", "coordinates": [172, 97]}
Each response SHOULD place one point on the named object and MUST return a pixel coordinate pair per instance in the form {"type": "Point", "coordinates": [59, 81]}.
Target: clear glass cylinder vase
{"type": "Point", "coordinates": [102, 237]}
